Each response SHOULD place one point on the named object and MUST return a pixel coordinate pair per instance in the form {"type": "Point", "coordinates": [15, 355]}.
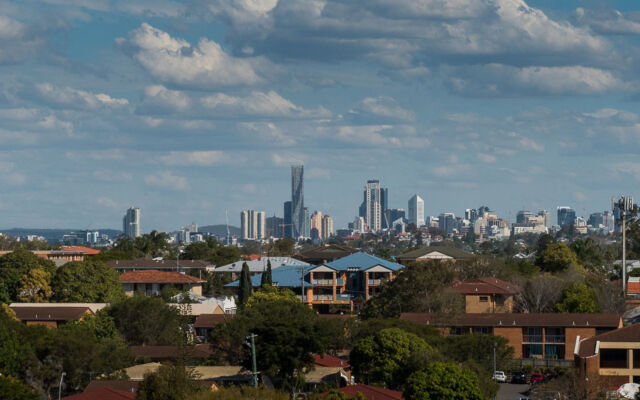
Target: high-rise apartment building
{"type": "Point", "coordinates": [566, 216]}
{"type": "Point", "coordinates": [384, 205]}
{"type": "Point", "coordinates": [547, 219]}
{"type": "Point", "coordinates": [523, 216]}
{"type": "Point", "coordinates": [253, 224]}
{"type": "Point", "coordinates": [416, 211]}
{"type": "Point", "coordinates": [316, 226]}
{"type": "Point", "coordinates": [306, 227]}
{"type": "Point", "coordinates": [288, 222]}
{"type": "Point", "coordinates": [131, 222]}
{"type": "Point", "coordinates": [373, 206]}
{"type": "Point", "coordinates": [275, 226]}
{"type": "Point", "coordinates": [327, 227]}
{"type": "Point", "coordinates": [297, 201]}
{"type": "Point", "coordinates": [447, 222]}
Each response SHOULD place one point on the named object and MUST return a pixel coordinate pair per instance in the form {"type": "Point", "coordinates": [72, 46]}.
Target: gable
{"type": "Point", "coordinates": [378, 268]}
{"type": "Point", "coordinates": [322, 268]}
{"type": "Point", "coordinates": [434, 255]}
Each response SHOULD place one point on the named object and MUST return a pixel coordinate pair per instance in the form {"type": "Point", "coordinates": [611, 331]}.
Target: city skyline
{"type": "Point", "coordinates": [190, 109]}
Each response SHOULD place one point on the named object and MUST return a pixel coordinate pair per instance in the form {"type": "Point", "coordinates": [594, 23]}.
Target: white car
{"type": "Point", "coordinates": [500, 376]}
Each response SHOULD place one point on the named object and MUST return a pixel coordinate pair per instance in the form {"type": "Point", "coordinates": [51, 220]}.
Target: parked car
{"type": "Point", "coordinates": [536, 377]}
{"type": "Point", "coordinates": [500, 376]}
{"type": "Point", "coordinates": [519, 378]}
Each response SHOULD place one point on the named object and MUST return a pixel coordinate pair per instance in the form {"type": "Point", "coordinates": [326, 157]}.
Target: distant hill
{"type": "Point", "coordinates": [219, 230]}
{"type": "Point", "coordinates": [54, 235]}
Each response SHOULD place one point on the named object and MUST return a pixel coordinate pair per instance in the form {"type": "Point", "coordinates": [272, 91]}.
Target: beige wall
{"type": "Point", "coordinates": [514, 336]}
{"type": "Point", "coordinates": [474, 305]}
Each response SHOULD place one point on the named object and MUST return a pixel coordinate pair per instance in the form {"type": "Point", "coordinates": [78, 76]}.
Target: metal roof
{"type": "Point", "coordinates": [259, 265]}
{"type": "Point", "coordinates": [285, 276]}
{"type": "Point", "coordinates": [362, 262]}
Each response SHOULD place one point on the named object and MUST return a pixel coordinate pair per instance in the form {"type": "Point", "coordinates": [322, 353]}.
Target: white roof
{"type": "Point", "coordinates": [257, 266]}
{"type": "Point", "coordinates": [94, 307]}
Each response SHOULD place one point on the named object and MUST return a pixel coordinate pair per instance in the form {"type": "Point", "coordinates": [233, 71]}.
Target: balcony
{"type": "Point", "coordinates": [375, 282]}
{"type": "Point", "coordinates": [531, 338]}
{"type": "Point", "coordinates": [323, 282]}
{"type": "Point", "coordinates": [554, 339]}
{"type": "Point", "coordinates": [344, 296]}
{"type": "Point", "coordinates": [322, 297]}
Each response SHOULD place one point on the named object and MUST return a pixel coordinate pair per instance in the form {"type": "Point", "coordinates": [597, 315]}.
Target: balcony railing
{"type": "Point", "coordinates": [532, 338]}
{"type": "Point", "coordinates": [328, 282]}
{"type": "Point", "coordinates": [375, 282]}
{"type": "Point", "coordinates": [323, 297]}
{"type": "Point", "coordinates": [554, 338]}
{"type": "Point", "coordinates": [340, 281]}
{"type": "Point", "coordinates": [344, 296]}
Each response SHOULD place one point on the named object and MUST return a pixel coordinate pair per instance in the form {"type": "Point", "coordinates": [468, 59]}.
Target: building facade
{"type": "Point", "coordinates": [253, 224]}
{"type": "Point", "coordinates": [416, 210]}
{"type": "Point", "coordinates": [566, 216]}
{"type": "Point", "coordinates": [316, 225]}
{"type": "Point", "coordinates": [297, 201]}
{"type": "Point", "coordinates": [373, 206]}
{"type": "Point", "coordinates": [327, 227]}
{"type": "Point", "coordinates": [131, 223]}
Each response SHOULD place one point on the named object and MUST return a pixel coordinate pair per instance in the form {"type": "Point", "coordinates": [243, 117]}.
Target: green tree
{"type": "Point", "coordinates": [442, 381]}
{"type": "Point", "coordinates": [578, 299]}
{"type": "Point", "coordinates": [13, 389]}
{"type": "Point", "coordinates": [34, 286]}
{"type": "Point", "coordinates": [420, 287]}
{"type": "Point", "coordinates": [169, 382]}
{"type": "Point", "coordinates": [288, 333]}
{"type": "Point", "coordinates": [385, 358]}
{"type": "Point", "coordinates": [16, 265]}
{"type": "Point", "coordinates": [245, 287]}
{"type": "Point", "coordinates": [557, 257]}
{"type": "Point", "coordinates": [146, 320]}
{"type": "Point", "coordinates": [88, 281]}
{"type": "Point", "coordinates": [271, 294]}
{"type": "Point", "coordinates": [266, 278]}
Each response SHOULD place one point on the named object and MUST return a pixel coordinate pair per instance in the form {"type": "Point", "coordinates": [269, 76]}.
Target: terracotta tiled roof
{"type": "Point", "coordinates": [171, 352]}
{"type": "Point", "coordinates": [50, 313]}
{"type": "Point", "coordinates": [154, 276]}
{"type": "Point", "coordinates": [633, 286]}
{"type": "Point", "coordinates": [330, 361]}
{"type": "Point", "coordinates": [103, 394]}
{"type": "Point", "coordinates": [211, 320]}
{"type": "Point", "coordinates": [369, 392]}
{"type": "Point", "coordinates": [486, 286]}
{"type": "Point", "coordinates": [157, 264]}
{"type": "Point", "coordinates": [87, 250]}
{"type": "Point", "coordinates": [628, 334]}
{"type": "Point", "coordinates": [251, 257]}
{"type": "Point", "coordinates": [517, 320]}
{"type": "Point", "coordinates": [117, 384]}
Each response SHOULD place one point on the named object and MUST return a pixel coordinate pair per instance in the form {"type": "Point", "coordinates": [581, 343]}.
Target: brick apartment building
{"type": "Point", "coordinates": [487, 295]}
{"type": "Point", "coordinates": [544, 336]}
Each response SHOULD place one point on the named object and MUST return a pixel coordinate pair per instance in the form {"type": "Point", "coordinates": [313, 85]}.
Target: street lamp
{"type": "Point", "coordinates": [60, 385]}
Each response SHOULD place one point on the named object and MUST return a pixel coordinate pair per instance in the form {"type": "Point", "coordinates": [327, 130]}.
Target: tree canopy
{"type": "Point", "coordinates": [86, 282]}
{"type": "Point", "coordinates": [557, 257]}
{"type": "Point", "coordinates": [442, 381]}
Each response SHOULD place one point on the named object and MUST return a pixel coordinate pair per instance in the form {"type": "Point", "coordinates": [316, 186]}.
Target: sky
{"type": "Point", "coordinates": [191, 109]}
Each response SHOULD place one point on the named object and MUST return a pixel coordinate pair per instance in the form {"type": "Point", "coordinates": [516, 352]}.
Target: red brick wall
{"type": "Point", "coordinates": [514, 336]}
{"type": "Point", "coordinates": [570, 335]}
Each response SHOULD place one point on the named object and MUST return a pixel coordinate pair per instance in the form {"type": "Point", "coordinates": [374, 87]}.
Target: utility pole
{"type": "Point", "coordinates": [624, 204]}
{"type": "Point", "coordinates": [254, 366]}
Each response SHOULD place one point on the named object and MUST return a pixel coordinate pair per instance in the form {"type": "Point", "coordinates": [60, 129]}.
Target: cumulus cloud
{"type": "Point", "coordinates": [269, 104]}
{"type": "Point", "coordinates": [71, 98]}
{"type": "Point", "coordinates": [609, 21]}
{"type": "Point", "coordinates": [175, 62]}
{"type": "Point", "coordinates": [160, 100]}
{"type": "Point", "coordinates": [530, 145]}
{"type": "Point", "coordinates": [198, 158]}
{"type": "Point", "coordinates": [503, 80]}
{"type": "Point", "coordinates": [17, 42]}
{"type": "Point", "coordinates": [380, 109]}
{"type": "Point", "coordinates": [382, 136]}
{"type": "Point", "coordinates": [167, 180]}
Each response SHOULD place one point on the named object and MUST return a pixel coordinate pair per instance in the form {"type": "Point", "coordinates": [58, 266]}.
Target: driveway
{"type": "Point", "coordinates": [510, 391]}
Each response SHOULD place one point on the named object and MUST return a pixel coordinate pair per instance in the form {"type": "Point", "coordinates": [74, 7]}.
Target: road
{"type": "Point", "coordinates": [511, 392]}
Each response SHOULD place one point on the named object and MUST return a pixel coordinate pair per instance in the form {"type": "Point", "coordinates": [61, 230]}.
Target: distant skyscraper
{"type": "Point", "coordinates": [566, 216]}
{"type": "Point", "coordinates": [306, 227]}
{"type": "Point", "coordinates": [373, 207]}
{"type": "Point", "coordinates": [596, 219]}
{"type": "Point", "coordinates": [274, 226]}
{"type": "Point", "coordinates": [253, 224]}
{"type": "Point", "coordinates": [392, 214]}
{"type": "Point", "coordinates": [297, 200]}
{"type": "Point", "coordinates": [327, 227]}
{"type": "Point", "coordinates": [547, 218]}
{"type": "Point", "coordinates": [288, 222]}
{"type": "Point", "coordinates": [316, 225]}
{"type": "Point", "coordinates": [131, 222]}
{"type": "Point", "coordinates": [384, 204]}
{"type": "Point", "coordinates": [523, 216]}
{"type": "Point", "coordinates": [447, 222]}
{"type": "Point", "coordinates": [416, 210]}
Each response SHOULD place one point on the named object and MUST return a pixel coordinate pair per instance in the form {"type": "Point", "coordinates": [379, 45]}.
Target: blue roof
{"type": "Point", "coordinates": [361, 261]}
{"type": "Point", "coordinates": [284, 276]}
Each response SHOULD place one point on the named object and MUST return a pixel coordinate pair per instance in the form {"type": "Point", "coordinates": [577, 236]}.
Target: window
{"type": "Point", "coordinates": [500, 300]}
{"type": "Point", "coordinates": [484, 299]}
{"type": "Point", "coordinates": [481, 329]}
{"type": "Point", "coordinates": [456, 331]}
{"type": "Point", "coordinates": [532, 335]}
{"type": "Point", "coordinates": [613, 358]}
{"type": "Point", "coordinates": [636, 379]}
{"type": "Point", "coordinates": [554, 351]}
{"type": "Point", "coordinates": [636, 359]}
{"type": "Point", "coordinates": [532, 351]}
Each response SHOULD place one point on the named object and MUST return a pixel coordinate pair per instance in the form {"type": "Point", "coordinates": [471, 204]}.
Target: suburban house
{"type": "Point", "coordinates": [104, 393]}
{"type": "Point", "coordinates": [151, 282]}
{"type": "Point", "coordinates": [433, 253]}
{"type": "Point", "coordinates": [368, 392]}
{"type": "Point", "coordinates": [326, 253]}
{"type": "Point", "coordinates": [327, 360]}
{"type": "Point", "coordinates": [145, 264]}
{"type": "Point", "coordinates": [613, 356]}
{"type": "Point", "coordinates": [59, 257]}
{"type": "Point", "coordinates": [229, 374]}
{"type": "Point", "coordinates": [49, 316]}
{"type": "Point", "coordinates": [88, 251]}
{"type": "Point", "coordinates": [206, 322]}
{"type": "Point", "coordinates": [257, 266]}
{"type": "Point", "coordinates": [339, 282]}
{"type": "Point", "coordinates": [550, 336]}
{"type": "Point", "coordinates": [487, 295]}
